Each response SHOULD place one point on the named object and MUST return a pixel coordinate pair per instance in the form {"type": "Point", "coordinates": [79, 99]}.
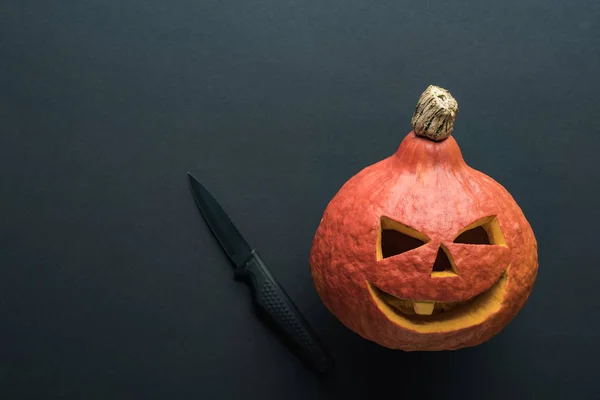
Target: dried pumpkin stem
{"type": "Point", "coordinates": [435, 114]}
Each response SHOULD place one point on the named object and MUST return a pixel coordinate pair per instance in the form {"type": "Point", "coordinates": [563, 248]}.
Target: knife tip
{"type": "Point", "coordinates": [194, 182]}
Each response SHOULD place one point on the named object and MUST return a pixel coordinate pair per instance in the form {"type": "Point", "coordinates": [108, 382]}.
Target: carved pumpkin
{"type": "Point", "coordinates": [419, 251]}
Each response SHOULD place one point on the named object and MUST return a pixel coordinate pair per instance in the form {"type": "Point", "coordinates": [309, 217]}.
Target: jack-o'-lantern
{"type": "Point", "coordinates": [419, 251]}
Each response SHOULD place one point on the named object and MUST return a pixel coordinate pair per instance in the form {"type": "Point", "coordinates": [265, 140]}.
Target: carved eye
{"type": "Point", "coordinates": [483, 231]}
{"type": "Point", "coordinates": [396, 238]}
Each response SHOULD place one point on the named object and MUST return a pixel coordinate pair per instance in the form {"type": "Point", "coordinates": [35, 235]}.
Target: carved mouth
{"type": "Point", "coordinates": [414, 307]}
{"type": "Point", "coordinates": [411, 313]}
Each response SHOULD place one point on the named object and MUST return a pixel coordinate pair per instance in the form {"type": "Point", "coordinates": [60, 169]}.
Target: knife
{"type": "Point", "coordinates": [271, 301]}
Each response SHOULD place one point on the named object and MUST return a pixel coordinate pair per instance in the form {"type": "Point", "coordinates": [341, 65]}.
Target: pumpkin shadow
{"type": "Point", "coordinates": [368, 370]}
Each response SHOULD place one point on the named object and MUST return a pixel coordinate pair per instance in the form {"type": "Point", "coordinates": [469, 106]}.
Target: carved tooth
{"type": "Point", "coordinates": [423, 307]}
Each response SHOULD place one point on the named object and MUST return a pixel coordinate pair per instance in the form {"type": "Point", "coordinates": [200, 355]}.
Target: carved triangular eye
{"type": "Point", "coordinates": [396, 238]}
{"type": "Point", "coordinates": [477, 235]}
{"type": "Point", "coordinates": [484, 231]}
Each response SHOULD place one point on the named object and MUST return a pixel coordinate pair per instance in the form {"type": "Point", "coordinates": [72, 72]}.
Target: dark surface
{"type": "Point", "coordinates": [112, 286]}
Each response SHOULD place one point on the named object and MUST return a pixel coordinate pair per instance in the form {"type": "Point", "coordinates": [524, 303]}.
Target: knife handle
{"type": "Point", "coordinates": [274, 304]}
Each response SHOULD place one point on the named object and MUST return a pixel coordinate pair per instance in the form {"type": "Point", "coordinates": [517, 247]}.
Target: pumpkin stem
{"type": "Point", "coordinates": [435, 114]}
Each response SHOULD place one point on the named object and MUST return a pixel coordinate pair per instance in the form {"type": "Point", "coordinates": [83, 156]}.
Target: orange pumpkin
{"type": "Point", "coordinates": [419, 251]}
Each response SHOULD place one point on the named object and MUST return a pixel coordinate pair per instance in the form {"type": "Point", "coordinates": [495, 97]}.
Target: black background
{"type": "Point", "coordinates": [111, 285]}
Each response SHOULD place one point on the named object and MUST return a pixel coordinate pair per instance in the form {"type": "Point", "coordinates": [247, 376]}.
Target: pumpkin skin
{"type": "Point", "coordinates": [426, 190]}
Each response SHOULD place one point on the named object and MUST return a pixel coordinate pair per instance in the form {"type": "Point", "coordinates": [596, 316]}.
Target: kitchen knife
{"type": "Point", "coordinates": [271, 300]}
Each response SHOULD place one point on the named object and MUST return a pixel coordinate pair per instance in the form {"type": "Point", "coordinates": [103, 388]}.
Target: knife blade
{"type": "Point", "coordinates": [272, 302]}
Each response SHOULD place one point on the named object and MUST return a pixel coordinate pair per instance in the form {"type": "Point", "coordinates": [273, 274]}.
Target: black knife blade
{"type": "Point", "coordinates": [220, 224]}
{"type": "Point", "coordinates": [271, 300]}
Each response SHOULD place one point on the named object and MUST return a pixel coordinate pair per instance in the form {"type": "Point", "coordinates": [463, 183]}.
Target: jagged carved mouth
{"type": "Point", "coordinates": [410, 312]}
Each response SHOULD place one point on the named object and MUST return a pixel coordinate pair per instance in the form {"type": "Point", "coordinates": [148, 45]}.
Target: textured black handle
{"type": "Point", "coordinates": [275, 305]}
